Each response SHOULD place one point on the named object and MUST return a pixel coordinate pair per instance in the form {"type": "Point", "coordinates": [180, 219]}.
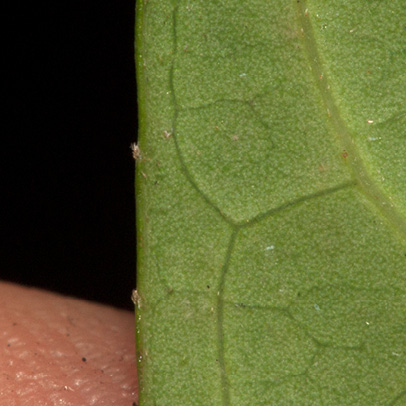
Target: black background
{"type": "Point", "coordinates": [68, 206]}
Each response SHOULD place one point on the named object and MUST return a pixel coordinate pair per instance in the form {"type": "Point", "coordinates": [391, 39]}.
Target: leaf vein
{"type": "Point", "coordinates": [364, 181]}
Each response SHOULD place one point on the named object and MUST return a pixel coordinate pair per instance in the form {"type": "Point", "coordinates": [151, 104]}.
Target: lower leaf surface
{"type": "Point", "coordinates": [271, 213]}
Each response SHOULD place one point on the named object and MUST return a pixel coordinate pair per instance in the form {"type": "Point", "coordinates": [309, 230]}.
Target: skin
{"type": "Point", "coordinates": [56, 350]}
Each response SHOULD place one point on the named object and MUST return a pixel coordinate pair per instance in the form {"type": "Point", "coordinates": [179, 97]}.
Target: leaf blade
{"type": "Point", "coordinates": [247, 285]}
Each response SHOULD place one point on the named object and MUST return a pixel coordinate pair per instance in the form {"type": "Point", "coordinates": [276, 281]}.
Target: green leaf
{"type": "Point", "coordinates": [271, 202]}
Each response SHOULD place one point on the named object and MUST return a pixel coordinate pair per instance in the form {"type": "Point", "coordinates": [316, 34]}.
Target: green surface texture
{"type": "Point", "coordinates": [271, 202]}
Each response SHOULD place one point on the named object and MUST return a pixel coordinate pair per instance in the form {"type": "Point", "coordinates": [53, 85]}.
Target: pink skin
{"type": "Point", "coordinates": [55, 350]}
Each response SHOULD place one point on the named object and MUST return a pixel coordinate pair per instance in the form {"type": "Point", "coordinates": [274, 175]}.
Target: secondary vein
{"type": "Point", "coordinates": [225, 386]}
{"type": "Point", "coordinates": [185, 170]}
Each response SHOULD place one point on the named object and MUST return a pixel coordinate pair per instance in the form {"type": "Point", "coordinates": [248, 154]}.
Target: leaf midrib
{"type": "Point", "coordinates": [360, 174]}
